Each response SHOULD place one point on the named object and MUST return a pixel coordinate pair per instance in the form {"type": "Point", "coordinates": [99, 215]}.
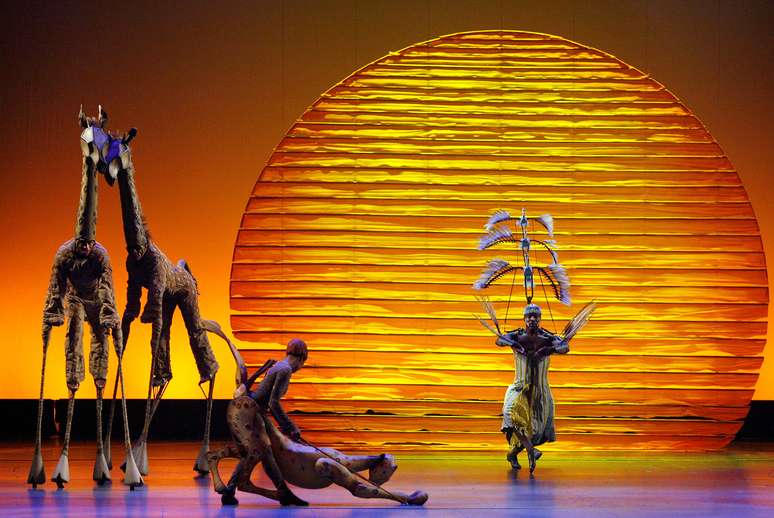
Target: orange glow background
{"type": "Point", "coordinates": [213, 92]}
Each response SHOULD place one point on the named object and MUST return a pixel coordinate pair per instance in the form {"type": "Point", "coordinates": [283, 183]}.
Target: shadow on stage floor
{"type": "Point", "coordinates": [736, 482]}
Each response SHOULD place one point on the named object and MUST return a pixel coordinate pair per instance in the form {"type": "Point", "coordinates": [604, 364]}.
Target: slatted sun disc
{"type": "Point", "coordinates": [360, 236]}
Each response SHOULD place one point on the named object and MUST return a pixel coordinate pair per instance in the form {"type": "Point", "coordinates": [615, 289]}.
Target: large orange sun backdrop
{"type": "Point", "coordinates": [361, 232]}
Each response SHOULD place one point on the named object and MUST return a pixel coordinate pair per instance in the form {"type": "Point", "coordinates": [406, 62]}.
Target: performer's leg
{"type": "Point", "coordinates": [533, 454]}
{"type": "Point", "coordinates": [515, 448]}
{"type": "Point", "coordinates": [338, 474]}
{"type": "Point", "coordinates": [197, 335]}
{"type": "Point", "coordinates": [74, 369]}
{"type": "Point", "coordinates": [162, 373]}
{"type": "Point", "coordinates": [242, 417]}
{"type": "Point", "coordinates": [286, 496]}
{"type": "Point", "coordinates": [205, 360]}
{"type": "Point", "coordinates": [98, 367]}
{"type": "Point", "coordinates": [213, 459]}
{"type": "Point", "coordinates": [74, 372]}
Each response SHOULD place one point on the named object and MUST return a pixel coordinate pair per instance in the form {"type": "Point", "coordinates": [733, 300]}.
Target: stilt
{"type": "Point", "coordinates": [101, 472]}
{"type": "Point", "coordinates": [132, 476]}
{"type": "Point", "coordinates": [201, 465]}
{"type": "Point", "coordinates": [109, 431]}
{"type": "Point", "coordinates": [62, 472]}
{"type": "Point", "coordinates": [37, 474]}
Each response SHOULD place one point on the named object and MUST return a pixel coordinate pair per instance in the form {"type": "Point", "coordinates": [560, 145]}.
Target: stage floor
{"type": "Point", "coordinates": [737, 482]}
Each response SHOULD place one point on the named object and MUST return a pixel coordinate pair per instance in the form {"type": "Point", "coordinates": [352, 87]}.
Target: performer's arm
{"type": "Point", "coordinates": [53, 312]}
{"type": "Point", "coordinates": [152, 311]}
{"type": "Point", "coordinates": [280, 387]}
{"type": "Point", "coordinates": [133, 292]}
{"type": "Point", "coordinates": [510, 340]}
{"type": "Point", "coordinates": [108, 317]}
{"type": "Point", "coordinates": [560, 346]}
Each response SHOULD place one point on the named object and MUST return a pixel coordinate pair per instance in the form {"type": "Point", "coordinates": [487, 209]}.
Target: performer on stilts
{"type": "Point", "coordinates": [169, 287]}
{"type": "Point", "coordinates": [286, 456]}
{"type": "Point", "coordinates": [81, 288]}
{"type": "Point", "coordinates": [528, 406]}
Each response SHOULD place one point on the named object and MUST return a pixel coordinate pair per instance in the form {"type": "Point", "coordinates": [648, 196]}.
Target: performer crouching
{"type": "Point", "coordinates": [249, 430]}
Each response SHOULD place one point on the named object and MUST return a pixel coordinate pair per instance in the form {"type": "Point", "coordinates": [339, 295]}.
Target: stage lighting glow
{"type": "Point", "coordinates": [360, 236]}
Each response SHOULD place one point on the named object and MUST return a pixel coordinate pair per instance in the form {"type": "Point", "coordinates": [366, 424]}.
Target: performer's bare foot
{"type": "Point", "coordinates": [288, 498]}
{"type": "Point", "coordinates": [227, 495]}
{"type": "Point", "coordinates": [533, 454]}
{"type": "Point", "coordinates": [512, 458]}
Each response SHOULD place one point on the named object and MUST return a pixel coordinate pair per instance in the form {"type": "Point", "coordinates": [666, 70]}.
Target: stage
{"type": "Point", "coordinates": [736, 482]}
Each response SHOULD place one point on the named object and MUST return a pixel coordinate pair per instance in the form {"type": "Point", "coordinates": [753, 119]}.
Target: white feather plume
{"type": "Point", "coordinates": [498, 216]}
{"type": "Point", "coordinates": [496, 235]}
{"type": "Point", "coordinates": [495, 269]}
{"type": "Point", "coordinates": [548, 222]}
{"type": "Point", "coordinates": [560, 274]}
{"type": "Point", "coordinates": [578, 321]}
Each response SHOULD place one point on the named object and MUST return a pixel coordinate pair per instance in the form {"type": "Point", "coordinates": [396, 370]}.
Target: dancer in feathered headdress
{"type": "Point", "coordinates": [528, 408]}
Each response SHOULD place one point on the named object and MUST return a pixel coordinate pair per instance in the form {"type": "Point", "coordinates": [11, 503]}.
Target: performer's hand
{"type": "Point", "coordinates": [150, 315]}
{"type": "Point", "coordinates": [504, 340]}
{"type": "Point", "coordinates": [130, 313]}
{"type": "Point", "coordinates": [109, 321]}
{"type": "Point", "coordinates": [53, 319]}
{"type": "Point", "coordinates": [544, 351]}
{"type": "Point", "coordinates": [240, 391]}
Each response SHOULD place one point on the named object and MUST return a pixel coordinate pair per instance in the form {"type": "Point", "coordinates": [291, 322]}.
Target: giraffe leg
{"type": "Point", "coordinates": [338, 474]}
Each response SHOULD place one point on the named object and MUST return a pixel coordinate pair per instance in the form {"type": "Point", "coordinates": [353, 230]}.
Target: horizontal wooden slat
{"type": "Point", "coordinates": [469, 327]}
{"type": "Point", "coordinates": [430, 240]}
{"type": "Point", "coordinates": [566, 83]}
{"type": "Point", "coordinates": [504, 109]}
{"type": "Point", "coordinates": [420, 409]}
{"type": "Point", "coordinates": [358, 306]}
{"type": "Point", "coordinates": [535, 123]}
{"type": "Point", "coordinates": [505, 75]}
{"type": "Point", "coordinates": [605, 294]}
{"type": "Point", "coordinates": [269, 342]}
{"type": "Point", "coordinates": [458, 147]}
{"type": "Point", "coordinates": [398, 424]}
{"type": "Point", "coordinates": [504, 361]}
{"type": "Point", "coordinates": [246, 269]}
{"type": "Point", "coordinates": [465, 62]}
{"type": "Point", "coordinates": [655, 260]}
{"type": "Point", "coordinates": [505, 163]}
{"type": "Point", "coordinates": [495, 196]}
{"type": "Point", "coordinates": [610, 379]}
{"type": "Point", "coordinates": [423, 442]}
{"type": "Point", "coordinates": [498, 95]}
{"type": "Point", "coordinates": [380, 391]}
{"type": "Point", "coordinates": [477, 209]}
{"type": "Point", "coordinates": [424, 180]}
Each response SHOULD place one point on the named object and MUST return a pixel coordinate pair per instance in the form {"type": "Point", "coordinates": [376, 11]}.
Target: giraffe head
{"type": "Point", "coordinates": [109, 152]}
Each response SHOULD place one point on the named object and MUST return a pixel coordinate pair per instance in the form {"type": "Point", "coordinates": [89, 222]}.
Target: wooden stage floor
{"type": "Point", "coordinates": [737, 482]}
